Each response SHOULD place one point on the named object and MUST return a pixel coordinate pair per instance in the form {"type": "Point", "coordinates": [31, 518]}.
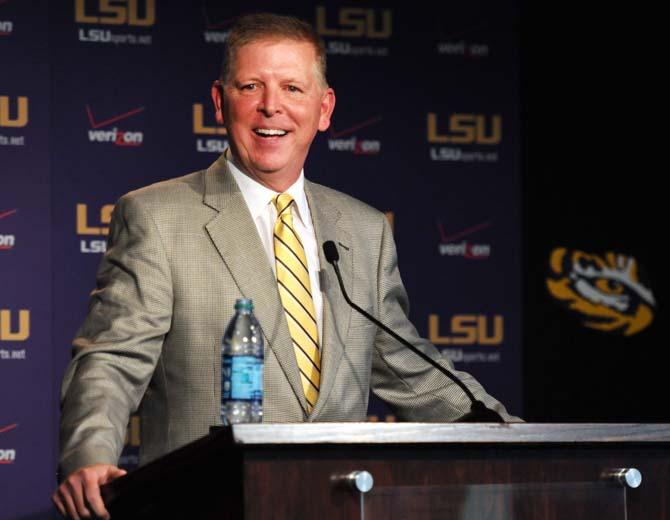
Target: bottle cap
{"type": "Point", "coordinates": [244, 304]}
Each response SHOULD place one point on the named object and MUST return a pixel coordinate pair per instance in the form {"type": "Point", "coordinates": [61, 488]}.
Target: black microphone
{"type": "Point", "coordinates": [478, 411]}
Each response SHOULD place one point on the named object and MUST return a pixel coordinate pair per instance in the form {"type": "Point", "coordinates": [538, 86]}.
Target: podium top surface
{"type": "Point", "coordinates": [449, 433]}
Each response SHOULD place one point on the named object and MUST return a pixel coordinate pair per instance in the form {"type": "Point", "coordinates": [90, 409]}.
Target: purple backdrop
{"type": "Point", "coordinates": [95, 103]}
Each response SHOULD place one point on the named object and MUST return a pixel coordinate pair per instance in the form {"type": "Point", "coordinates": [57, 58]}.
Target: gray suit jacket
{"type": "Point", "coordinates": [180, 253]}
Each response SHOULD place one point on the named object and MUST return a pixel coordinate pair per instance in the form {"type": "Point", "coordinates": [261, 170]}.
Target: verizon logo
{"type": "Point", "coordinates": [6, 28]}
{"type": "Point", "coordinates": [7, 456]}
{"type": "Point", "coordinates": [114, 135]}
{"type": "Point", "coordinates": [215, 31]}
{"type": "Point", "coordinates": [354, 144]}
{"type": "Point", "coordinates": [456, 244]}
{"type": "Point", "coordinates": [7, 241]}
{"type": "Point", "coordinates": [215, 36]}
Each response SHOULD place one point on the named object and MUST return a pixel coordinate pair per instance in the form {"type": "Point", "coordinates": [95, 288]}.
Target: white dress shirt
{"type": "Point", "coordinates": [263, 212]}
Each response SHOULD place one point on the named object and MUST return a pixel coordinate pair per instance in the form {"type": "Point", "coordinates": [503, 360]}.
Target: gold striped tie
{"type": "Point", "coordinates": [296, 297]}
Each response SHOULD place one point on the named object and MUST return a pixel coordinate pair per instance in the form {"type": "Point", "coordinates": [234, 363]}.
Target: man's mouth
{"type": "Point", "coordinates": [270, 132]}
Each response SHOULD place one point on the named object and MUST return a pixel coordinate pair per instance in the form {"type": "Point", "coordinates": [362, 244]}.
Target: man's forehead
{"type": "Point", "coordinates": [278, 40]}
{"type": "Point", "coordinates": [271, 41]}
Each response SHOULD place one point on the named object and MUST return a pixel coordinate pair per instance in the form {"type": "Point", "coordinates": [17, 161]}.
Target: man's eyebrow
{"type": "Point", "coordinates": [243, 80]}
{"type": "Point", "coordinates": [302, 83]}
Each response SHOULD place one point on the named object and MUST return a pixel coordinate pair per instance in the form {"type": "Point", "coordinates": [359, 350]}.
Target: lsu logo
{"type": "Point", "coordinates": [214, 143]}
{"type": "Point", "coordinates": [605, 291]}
{"type": "Point", "coordinates": [13, 113]}
{"type": "Point", "coordinates": [466, 129]}
{"type": "Point", "coordinates": [467, 329]}
{"type": "Point", "coordinates": [356, 22]}
{"type": "Point", "coordinates": [199, 126]}
{"type": "Point", "coordinates": [84, 228]}
{"type": "Point", "coordinates": [138, 13]}
{"type": "Point", "coordinates": [7, 330]}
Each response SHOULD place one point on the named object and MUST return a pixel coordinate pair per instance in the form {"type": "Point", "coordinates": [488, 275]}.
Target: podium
{"type": "Point", "coordinates": [407, 471]}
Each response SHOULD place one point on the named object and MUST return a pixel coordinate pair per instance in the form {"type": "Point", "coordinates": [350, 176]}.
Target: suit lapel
{"type": "Point", "coordinates": [336, 311]}
{"type": "Point", "coordinates": [236, 238]}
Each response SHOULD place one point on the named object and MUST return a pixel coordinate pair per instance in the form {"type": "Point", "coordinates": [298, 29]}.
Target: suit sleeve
{"type": "Point", "coordinates": [117, 348]}
{"type": "Point", "coordinates": [416, 390]}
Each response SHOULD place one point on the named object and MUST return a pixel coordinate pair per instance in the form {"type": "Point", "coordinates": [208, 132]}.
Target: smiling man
{"type": "Point", "coordinates": [182, 251]}
{"type": "Point", "coordinates": [273, 99]}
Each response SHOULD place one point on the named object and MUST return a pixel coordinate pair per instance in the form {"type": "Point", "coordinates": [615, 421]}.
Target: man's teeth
{"type": "Point", "coordinates": [269, 131]}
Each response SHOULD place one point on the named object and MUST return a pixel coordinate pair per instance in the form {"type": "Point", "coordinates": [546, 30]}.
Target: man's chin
{"type": "Point", "coordinates": [276, 177]}
{"type": "Point", "coordinates": [268, 170]}
{"type": "Point", "coordinates": [267, 164]}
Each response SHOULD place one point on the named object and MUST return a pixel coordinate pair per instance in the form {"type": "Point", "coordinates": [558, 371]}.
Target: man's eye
{"type": "Point", "coordinates": [249, 86]}
{"type": "Point", "coordinates": [293, 88]}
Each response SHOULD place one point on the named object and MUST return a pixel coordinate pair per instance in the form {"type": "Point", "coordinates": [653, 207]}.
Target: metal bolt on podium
{"type": "Point", "coordinates": [360, 481]}
{"type": "Point", "coordinates": [627, 477]}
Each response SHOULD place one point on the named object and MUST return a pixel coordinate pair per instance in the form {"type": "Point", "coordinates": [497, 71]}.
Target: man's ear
{"type": "Point", "coordinates": [217, 98]}
{"type": "Point", "coordinates": [327, 107]}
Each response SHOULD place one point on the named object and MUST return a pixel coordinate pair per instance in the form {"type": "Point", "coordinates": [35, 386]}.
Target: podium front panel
{"type": "Point", "coordinates": [565, 500]}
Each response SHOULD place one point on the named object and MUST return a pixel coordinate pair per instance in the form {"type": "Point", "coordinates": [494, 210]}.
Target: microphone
{"type": "Point", "coordinates": [478, 411]}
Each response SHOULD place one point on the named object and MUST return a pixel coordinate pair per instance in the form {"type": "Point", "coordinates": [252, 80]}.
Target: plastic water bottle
{"type": "Point", "coordinates": [242, 367]}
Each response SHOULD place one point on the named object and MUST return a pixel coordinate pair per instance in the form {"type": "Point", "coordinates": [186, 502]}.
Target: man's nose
{"type": "Point", "coordinates": [270, 102]}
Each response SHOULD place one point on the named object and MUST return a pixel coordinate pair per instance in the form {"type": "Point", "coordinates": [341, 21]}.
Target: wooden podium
{"type": "Point", "coordinates": [420, 471]}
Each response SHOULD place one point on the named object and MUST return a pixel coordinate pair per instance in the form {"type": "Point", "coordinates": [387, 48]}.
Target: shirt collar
{"type": "Point", "coordinates": [258, 196]}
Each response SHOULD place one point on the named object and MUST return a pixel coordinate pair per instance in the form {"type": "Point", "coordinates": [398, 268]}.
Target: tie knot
{"type": "Point", "coordinates": [281, 202]}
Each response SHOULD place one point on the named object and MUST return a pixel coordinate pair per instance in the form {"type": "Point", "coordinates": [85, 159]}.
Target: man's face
{"type": "Point", "coordinates": [272, 105]}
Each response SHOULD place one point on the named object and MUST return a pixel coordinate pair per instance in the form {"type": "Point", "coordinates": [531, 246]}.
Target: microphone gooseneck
{"type": "Point", "coordinates": [479, 411]}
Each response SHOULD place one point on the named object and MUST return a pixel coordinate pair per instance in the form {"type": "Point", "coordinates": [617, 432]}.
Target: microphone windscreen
{"type": "Point", "coordinates": [330, 250]}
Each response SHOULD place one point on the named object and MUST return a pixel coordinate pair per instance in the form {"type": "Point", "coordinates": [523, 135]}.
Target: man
{"type": "Point", "coordinates": [180, 253]}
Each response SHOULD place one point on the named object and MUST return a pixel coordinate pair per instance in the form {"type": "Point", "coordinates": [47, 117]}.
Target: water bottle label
{"type": "Point", "coordinates": [226, 371]}
{"type": "Point", "coordinates": [242, 378]}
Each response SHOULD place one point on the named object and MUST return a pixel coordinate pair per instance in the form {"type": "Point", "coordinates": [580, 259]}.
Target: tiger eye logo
{"type": "Point", "coordinates": [605, 291]}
